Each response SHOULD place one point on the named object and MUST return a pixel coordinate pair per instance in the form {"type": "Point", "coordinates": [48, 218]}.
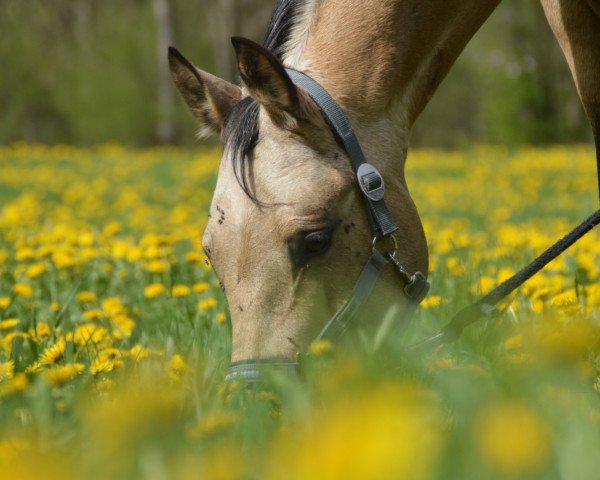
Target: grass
{"type": "Point", "coordinates": [114, 334]}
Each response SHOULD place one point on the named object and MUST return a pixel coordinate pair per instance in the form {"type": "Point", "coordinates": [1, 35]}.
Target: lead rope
{"type": "Point", "coordinates": [485, 306]}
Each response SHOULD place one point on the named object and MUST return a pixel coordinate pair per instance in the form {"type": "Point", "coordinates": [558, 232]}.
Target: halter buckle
{"type": "Point", "coordinates": [370, 181]}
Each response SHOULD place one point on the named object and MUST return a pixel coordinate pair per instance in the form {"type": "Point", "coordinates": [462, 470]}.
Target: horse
{"type": "Point", "coordinates": [287, 234]}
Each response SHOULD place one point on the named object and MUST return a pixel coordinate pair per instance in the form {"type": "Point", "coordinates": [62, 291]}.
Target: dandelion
{"type": "Point", "coordinates": [221, 317]}
{"type": "Point", "coordinates": [59, 375]}
{"type": "Point", "coordinates": [432, 301]}
{"type": "Point", "coordinates": [154, 290]}
{"type": "Point", "coordinates": [176, 367]}
{"type": "Point", "coordinates": [200, 287]}
{"type": "Point", "coordinates": [18, 383]}
{"type": "Point", "coordinates": [86, 297]}
{"type": "Point", "coordinates": [53, 353]}
{"type": "Point", "coordinates": [207, 303]}
{"type": "Point", "coordinates": [5, 302]}
{"type": "Point", "coordinates": [158, 266]}
{"type": "Point", "coordinates": [9, 323]}
{"type": "Point", "coordinates": [23, 290]}
{"type": "Point", "coordinates": [7, 370]}
{"type": "Point", "coordinates": [36, 270]}
{"type": "Point", "coordinates": [180, 290]}
{"type": "Point", "coordinates": [321, 348]}
{"type": "Point", "coordinates": [513, 438]}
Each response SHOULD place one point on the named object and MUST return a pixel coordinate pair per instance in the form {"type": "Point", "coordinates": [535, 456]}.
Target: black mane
{"type": "Point", "coordinates": [241, 125]}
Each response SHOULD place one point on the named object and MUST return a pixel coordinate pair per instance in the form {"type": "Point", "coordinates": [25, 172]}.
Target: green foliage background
{"type": "Point", "coordinates": [87, 71]}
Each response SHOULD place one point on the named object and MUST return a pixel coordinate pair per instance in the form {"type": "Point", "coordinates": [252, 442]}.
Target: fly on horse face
{"type": "Point", "coordinates": [299, 226]}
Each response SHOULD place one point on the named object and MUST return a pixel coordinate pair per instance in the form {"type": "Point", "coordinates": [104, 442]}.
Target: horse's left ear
{"type": "Point", "coordinates": [268, 83]}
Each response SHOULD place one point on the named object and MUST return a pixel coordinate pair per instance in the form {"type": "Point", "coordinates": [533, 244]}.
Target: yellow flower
{"type": "Point", "coordinates": [36, 270]}
{"type": "Point", "coordinates": [53, 353]}
{"type": "Point", "coordinates": [432, 301]}
{"type": "Point", "coordinates": [9, 323]}
{"type": "Point", "coordinates": [22, 290]}
{"type": "Point", "coordinates": [221, 317]}
{"type": "Point", "coordinates": [122, 326]}
{"type": "Point", "coordinates": [104, 365]}
{"type": "Point", "coordinates": [5, 302]}
{"type": "Point", "coordinates": [55, 307]}
{"type": "Point", "coordinates": [154, 290]}
{"type": "Point", "coordinates": [94, 314]}
{"type": "Point", "coordinates": [176, 367]}
{"type": "Point", "coordinates": [158, 266]}
{"type": "Point", "coordinates": [62, 374]}
{"type": "Point", "coordinates": [321, 347]}
{"type": "Point", "coordinates": [180, 290]}
{"type": "Point", "coordinates": [19, 383]}
{"type": "Point", "coordinates": [513, 438]}
{"type": "Point", "coordinates": [89, 333]}
{"type": "Point", "coordinates": [207, 303]}
{"type": "Point", "coordinates": [7, 370]}
{"type": "Point", "coordinates": [200, 287]}
{"type": "Point", "coordinates": [86, 297]}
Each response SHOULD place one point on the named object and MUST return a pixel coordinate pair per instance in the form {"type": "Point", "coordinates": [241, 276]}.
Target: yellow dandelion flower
{"type": "Point", "coordinates": [176, 367]}
{"type": "Point", "coordinates": [200, 287]}
{"type": "Point", "coordinates": [55, 307]}
{"type": "Point", "coordinates": [53, 353]}
{"type": "Point", "coordinates": [9, 323]}
{"type": "Point", "coordinates": [86, 297]}
{"type": "Point", "coordinates": [158, 266]}
{"type": "Point", "coordinates": [513, 438]}
{"type": "Point", "coordinates": [42, 330]}
{"type": "Point", "coordinates": [221, 317]}
{"type": "Point", "coordinates": [211, 423]}
{"type": "Point", "coordinates": [19, 383]}
{"type": "Point", "coordinates": [5, 302]}
{"type": "Point", "coordinates": [122, 326]}
{"type": "Point", "coordinates": [180, 290]}
{"type": "Point", "coordinates": [104, 365]}
{"type": "Point", "coordinates": [7, 370]}
{"type": "Point", "coordinates": [22, 290]}
{"type": "Point", "coordinates": [89, 333]}
{"type": "Point", "coordinates": [113, 307]}
{"type": "Point", "coordinates": [207, 303]}
{"type": "Point", "coordinates": [154, 290]}
{"type": "Point", "coordinates": [321, 348]}
{"type": "Point", "coordinates": [432, 301]}
{"type": "Point", "coordinates": [94, 314]}
{"type": "Point", "coordinates": [62, 374]}
{"type": "Point", "coordinates": [36, 270]}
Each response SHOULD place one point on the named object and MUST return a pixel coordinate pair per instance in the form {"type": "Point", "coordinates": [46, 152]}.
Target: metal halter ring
{"type": "Point", "coordinates": [394, 244]}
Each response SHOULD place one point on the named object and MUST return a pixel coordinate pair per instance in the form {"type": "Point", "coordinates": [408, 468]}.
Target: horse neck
{"type": "Point", "coordinates": [383, 59]}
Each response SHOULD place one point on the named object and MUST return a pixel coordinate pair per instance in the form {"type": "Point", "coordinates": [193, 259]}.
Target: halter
{"type": "Point", "coordinates": [382, 226]}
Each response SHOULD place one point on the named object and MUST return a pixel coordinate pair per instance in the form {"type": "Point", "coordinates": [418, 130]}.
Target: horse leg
{"type": "Point", "coordinates": [576, 25]}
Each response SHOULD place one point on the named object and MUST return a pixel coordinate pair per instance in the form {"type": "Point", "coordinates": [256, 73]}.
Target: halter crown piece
{"type": "Point", "coordinates": [382, 226]}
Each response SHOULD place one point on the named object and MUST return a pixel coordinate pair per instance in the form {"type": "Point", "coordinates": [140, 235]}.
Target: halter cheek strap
{"type": "Point", "coordinates": [382, 225]}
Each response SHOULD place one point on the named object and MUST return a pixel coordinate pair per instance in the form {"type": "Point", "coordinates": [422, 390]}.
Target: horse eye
{"type": "Point", "coordinates": [307, 245]}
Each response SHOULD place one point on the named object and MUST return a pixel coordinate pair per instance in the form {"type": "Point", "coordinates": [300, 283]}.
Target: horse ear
{"type": "Point", "coordinates": [269, 84]}
{"type": "Point", "coordinates": [209, 97]}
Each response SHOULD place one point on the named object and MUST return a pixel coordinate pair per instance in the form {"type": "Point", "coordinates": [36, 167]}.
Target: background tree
{"type": "Point", "coordinates": [91, 71]}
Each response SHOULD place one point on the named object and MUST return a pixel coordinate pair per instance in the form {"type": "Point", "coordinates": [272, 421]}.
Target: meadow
{"type": "Point", "coordinates": [114, 334]}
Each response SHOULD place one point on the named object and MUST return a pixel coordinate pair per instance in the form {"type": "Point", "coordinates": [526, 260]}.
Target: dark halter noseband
{"type": "Point", "coordinates": [382, 226]}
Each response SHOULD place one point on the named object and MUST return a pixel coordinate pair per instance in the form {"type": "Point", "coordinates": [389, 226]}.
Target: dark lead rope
{"type": "Point", "coordinates": [485, 306]}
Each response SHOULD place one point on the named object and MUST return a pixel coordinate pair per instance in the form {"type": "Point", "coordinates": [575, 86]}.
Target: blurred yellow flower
{"type": "Point", "coordinates": [7, 370]}
{"type": "Point", "coordinates": [62, 374]}
{"type": "Point", "coordinates": [5, 302]}
{"type": "Point", "coordinates": [180, 290]}
{"type": "Point", "coordinates": [154, 290]}
{"type": "Point", "coordinates": [9, 323]}
{"type": "Point", "coordinates": [36, 270]}
{"type": "Point", "coordinates": [158, 266]}
{"type": "Point", "coordinates": [513, 438]}
{"type": "Point", "coordinates": [22, 290]}
{"type": "Point", "coordinates": [200, 287]}
{"type": "Point", "coordinates": [86, 297]}
{"type": "Point", "coordinates": [207, 303]}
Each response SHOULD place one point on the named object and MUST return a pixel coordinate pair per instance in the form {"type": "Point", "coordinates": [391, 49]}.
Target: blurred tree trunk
{"type": "Point", "coordinates": [164, 34]}
{"type": "Point", "coordinates": [226, 25]}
